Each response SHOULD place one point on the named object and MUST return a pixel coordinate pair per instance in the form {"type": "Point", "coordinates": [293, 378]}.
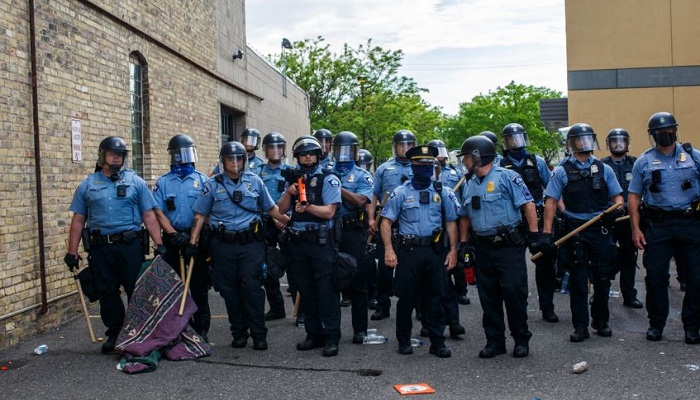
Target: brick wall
{"type": "Point", "coordinates": [83, 53]}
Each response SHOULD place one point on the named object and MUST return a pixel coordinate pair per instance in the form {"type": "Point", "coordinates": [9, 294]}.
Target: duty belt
{"type": "Point", "coordinates": [243, 236]}
{"type": "Point", "coordinates": [121, 237]}
{"type": "Point", "coordinates": [310, 236]}
{"type": "Point", "coordinates": [659, 213]}
{"type": "Point", "coordinates": [352, 222]}
{"type": "Point", "coordinates": [491, 240]}
{"type": "Point", "coordinates": [408, 241]}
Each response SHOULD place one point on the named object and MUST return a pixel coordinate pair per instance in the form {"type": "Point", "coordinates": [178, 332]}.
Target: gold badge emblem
{"type": "Point", "coordinates": [195, 185]}
{"type": "Point", "coordinates": [436, 198]}
{"type": "Point", "coordinates": [682, 157]}
{"type": "Point", "coordinates": [594, 169]}
{"type": "Point", "coordinates": [491, 186]}
{"type": "Point", "coordinates": [351, 178]}
{"type": "Point", "coordinates": [313, 182]}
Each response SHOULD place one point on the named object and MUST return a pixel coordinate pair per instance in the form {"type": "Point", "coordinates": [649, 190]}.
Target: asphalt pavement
{"type": "Point", "coordinates": [624, 366]}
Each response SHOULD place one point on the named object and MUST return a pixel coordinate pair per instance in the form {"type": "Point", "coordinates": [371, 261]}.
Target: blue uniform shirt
{"type": "Point", "coordinates": [184, 193]}
{"type": "Point", "coordinates": [327, 163]}
{"type": "Point", "coordinates": [358, 181]}
{"type": "Point", "coordinates": [216, 202]}
{"type": "Point", "coordinates": [674, 169]}
{"type": "Point", "coordinates": [559, 180]}
{"type": "Point", "coordinates": [273, 180]}
{"type": "Point", "coordinates": [501, 193]}
{"type": "Point", "coordinates": [420, 219]}
{"type": "Point", "coordinates": [329, 195]}
{"type": "Point", "coordinates": [542, 170]}
{"type": "Point", "coordinates": [390, 175]}
{"type": "Point", "coordinates": [449, 176]}
{"type": "Point", "coordinates": [96, 197]}
{"type": "Point", "coordinates": [253, 162]}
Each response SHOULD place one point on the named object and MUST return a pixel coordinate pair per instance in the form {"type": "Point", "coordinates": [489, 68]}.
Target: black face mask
{"type": "Point", "coordinates": [421, 176]}
{"type": "Point", "coordinates": [665, 139]}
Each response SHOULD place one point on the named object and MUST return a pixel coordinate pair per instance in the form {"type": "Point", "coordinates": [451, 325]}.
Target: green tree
{"type": "Point", "coordinates": [360, 90]}
{"type": "Point", "coordinates": [491, 112]}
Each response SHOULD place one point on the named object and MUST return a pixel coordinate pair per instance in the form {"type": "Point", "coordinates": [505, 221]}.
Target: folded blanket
{"type": "Point", "coordinates": [152, 327]}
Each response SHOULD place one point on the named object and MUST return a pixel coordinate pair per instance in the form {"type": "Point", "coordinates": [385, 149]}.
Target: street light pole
{"type": "Point", "coordinates": [286, 44]}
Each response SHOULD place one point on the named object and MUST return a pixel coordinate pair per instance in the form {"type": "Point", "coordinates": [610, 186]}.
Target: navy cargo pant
{"type": "Point", "coordinates": [354, 242]}
{"type": "Point", "coordinates": [237, 276]}
{"type": "Point", "coordinates": [312, 266]}
{"type": "Point", "coordinates": [115, 265]}
{"type": "Point", "coordinates": [501, 275]}
{"type": "Point", "coordinates": [679, 237]}
{"type": "Point", "coordinates": [420, 279]}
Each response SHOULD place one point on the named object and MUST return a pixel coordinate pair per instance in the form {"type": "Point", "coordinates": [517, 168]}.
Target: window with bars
{"type": "Point", "coordinates": [137, 85]}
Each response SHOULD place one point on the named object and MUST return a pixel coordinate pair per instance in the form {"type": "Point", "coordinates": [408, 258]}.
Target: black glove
{"type": "Point", "coordinates": [544, 245]}
{"type": "Point", "coordinates": [72, 261]}
{"type": "Point", "coordinates": [608, 219]}
{"type": "Point", "coordinates": [178, 239]}
{"type": "Point", "coordinates": [160, 250]}
{"type": "Point", "coordinates": [191, 250]}
{"type": "Point", "coordinates": [466, 254]}
{"type": "Point", "coordinates": [533, 240]}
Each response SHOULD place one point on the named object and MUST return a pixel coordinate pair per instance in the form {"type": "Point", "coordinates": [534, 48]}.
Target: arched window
{"type": "Point", "coordinates": [138, 84]}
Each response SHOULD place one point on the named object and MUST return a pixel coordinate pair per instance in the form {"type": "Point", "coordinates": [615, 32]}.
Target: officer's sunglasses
{"type": "Point", "coordinates": [307, 153]}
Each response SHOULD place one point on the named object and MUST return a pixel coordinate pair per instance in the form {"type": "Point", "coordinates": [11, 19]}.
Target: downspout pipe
{"type": "Point", "coordinates": [37, 160]}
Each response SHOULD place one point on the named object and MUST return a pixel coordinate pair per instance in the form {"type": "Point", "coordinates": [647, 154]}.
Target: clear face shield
{"type": "Point", "coordinates": [345, 153]}
{"type": "Point", "coordinates": [234, 164]}
{"type": "Point", "coordinates": [250, 142]}
{"type": "Point", "coordinates": [275, 151]}
{"type": "Point", "coordinates": [516, 141]}
{"type": "Point", "coordinates": [618, 144]}
{"type": "Point", "coordinates": [442, 153]}
{"type": "Point", "coordinates": [582, 144]}
{"type": "Point", "coordinates": [400, 148]}
{"type": "Point", "coordinates": [325, 145]}
{"type": "Point", "coordinates": [185, 155]}
{"type": "Point", "coordinates": [472, 161]}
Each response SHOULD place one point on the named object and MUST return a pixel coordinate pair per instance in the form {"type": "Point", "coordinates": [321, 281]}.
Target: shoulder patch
{"type": "Point", "coordinates": [206, 189]}
{"type": "Point", "coordinates": [334, 181]}
{"type": "Point", "coordinates": [518, 180]}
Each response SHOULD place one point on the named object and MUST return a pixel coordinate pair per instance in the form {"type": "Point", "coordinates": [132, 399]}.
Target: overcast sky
{"type": "Point", "coordinates": [457, 49]}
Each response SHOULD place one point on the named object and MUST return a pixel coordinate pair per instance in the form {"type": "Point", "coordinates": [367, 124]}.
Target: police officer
{"type": "Point", "coordinates": [588, 188]}
{"type": "Point", "coordinates": [250, 138]}
{"type": "Point", "coordinates": [388, 177]}
{"type": "Point", "coordinates": [233, 202]}
{"type": "Point", "coordinates": [110, 206]}
{"type": "Point", "coordinates": [325, 139]}
{"type": "Point", "coordinates": [533, 169]}
{"type": "Point", "coordinates": [274, 147]}
{"type": "Point", "coordinates": [456, 289]}
{"type": "Point", "coordinates": [494, 201]}
{"type": "Point", "coordinates": [364, 159]}
{"type": "Point", "coordinates": [175, 194]}
{"type": "Point", "coordinates": [356, 190]}
{"type": "Point", "coordinates": [420, 257]}
{"type": "Point", "coordinates": [313, 208]}
{"type": "Point", "coordinates": [618, 144]}
{"type": "Point", "coordinates": [494, 139]}
{"type": "Point", "coordinates": [666, 177]}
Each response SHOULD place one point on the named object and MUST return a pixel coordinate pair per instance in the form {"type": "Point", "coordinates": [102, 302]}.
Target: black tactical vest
{"type": "Point", "coordinates": [586, 190]}
{"type": "Point", "coordinates": [531, 175]}
{"type": "Point", "coordinates": [314, 195]}
{"type": "Point", "coordinates": [623, 172]}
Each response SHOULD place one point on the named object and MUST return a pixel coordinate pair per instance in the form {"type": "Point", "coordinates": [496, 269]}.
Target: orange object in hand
{"type": "Point", "coordinates": [301, 187]}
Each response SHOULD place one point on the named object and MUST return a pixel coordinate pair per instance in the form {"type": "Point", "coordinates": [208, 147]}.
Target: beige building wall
{"type": "Point", "coordinates": [82, 53]}
{"type": "Point", "coordinates": [628, 59]}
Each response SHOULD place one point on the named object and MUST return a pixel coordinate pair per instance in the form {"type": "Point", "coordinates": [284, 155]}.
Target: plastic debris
{"type": "Point", "coordinates": [580, 368]}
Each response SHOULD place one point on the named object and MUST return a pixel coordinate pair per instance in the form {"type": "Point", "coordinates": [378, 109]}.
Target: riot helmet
{"type": "Point", "coordinates": [477, 151]}
{"type": "Point", "coordinates": [345, 146]}
{"type": "Point", "coordinates": [618, 141]}
{"type": "Point", "coordinates": [581, 139]}
{"type": "Point", "coordinates": [492, 137]}
{"type": "Point", "coordinates": [236, 153]}
{"type": "Point", "coordinates": [250, 138]}
{"type": "Point", "coordinates": [182, 150]}
{"type": "Point", "coordinates": [304, 146]}
{"type": "Point", "coordinates": [663, 129]}
{"type": "Point", "coordinates": [514, 137]}
{"type": "Point", "coordinates": [403, 140]}
{"type": "Point", "coordinates": [364, 158]}
{"type": "Point", "coordinates": [440, 146]}
{"type": "Point", "coordinates": [324, 137]}
{"type": "Point", "coordinates": [113, 144]}
{"type": "Point", "coordinates": [274, 146]}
